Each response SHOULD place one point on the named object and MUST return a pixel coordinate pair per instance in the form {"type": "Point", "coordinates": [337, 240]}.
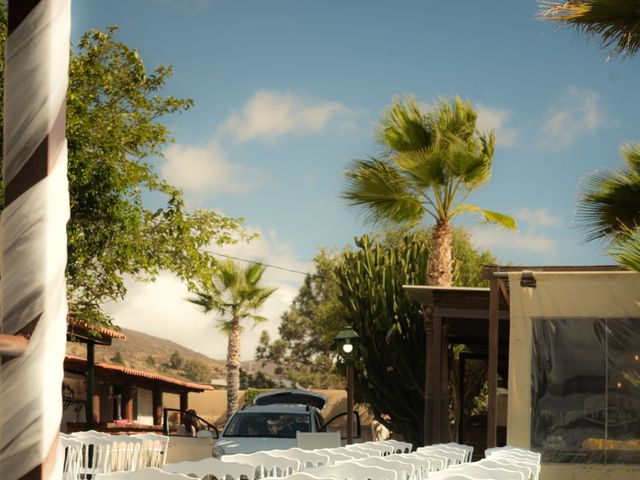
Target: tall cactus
{"type": "Point", "coordinates": [390, 372]}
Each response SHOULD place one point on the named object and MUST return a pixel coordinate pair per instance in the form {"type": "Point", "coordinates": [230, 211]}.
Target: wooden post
{"type": "Point", "coordinates": [157, 406]}
{"type": "Point", "coordinates": [32, 286]}
{"type": "Point", "coordinates": [436, 380]}
{"type": "Point", "coordinates": [445, 430]}
{"type": "Point", "coordinates": [349, 404]}
{"type": "Point", "coordinates": [494, 319]}
{"type": "Point", "coordinates": [127, 401]}
{"type": "Point", "coordinates": [91, 386]}
{"type": "Point", "coordinates": [428, 388]}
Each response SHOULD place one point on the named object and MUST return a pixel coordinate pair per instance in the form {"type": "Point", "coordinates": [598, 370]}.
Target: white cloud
{"type": "Point", "coordinates": [575, 114]}
{"type": "Point", "coordinates": [495, 119]}
{"type": "Point", "coordinates": [539, 217]}
{"type": "Point", "coordinates": [271, 114]}
{"type": "Point", "coordinates": [160, 308]}
{"type": "Point", "coordinates": [206, 170]}
{"type": "Point", "coordinates": [497, 240]}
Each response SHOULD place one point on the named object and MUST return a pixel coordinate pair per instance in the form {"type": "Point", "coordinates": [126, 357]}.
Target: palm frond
{"type": "Point", "coordinates": [381, 193]}
{"type": "Point", "coordinates": [626, 250]}
{"type": "Point", "coordinates": [403, 127]}
{"type": "Point", "coordinates": [610, 203]}
{"type": "Point", "coordinates": [490, 216]}
{"type": "Point", "coordinates": [615, 22]}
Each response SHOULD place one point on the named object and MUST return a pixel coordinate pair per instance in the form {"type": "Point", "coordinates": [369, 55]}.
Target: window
{"type": "Point", "coordinates": [585, 394]}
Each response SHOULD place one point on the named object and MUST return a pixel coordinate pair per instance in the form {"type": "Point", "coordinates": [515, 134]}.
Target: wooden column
{"type": "Point", "coordinates": [89, 407]}
{"type": "Point", "coordinates": [494, 324]}
{"type": "Point", "coordinates": [184, 401]}
{"type": "Point", "coordinates": [436, 380]}
{"type": "Point", "coordinates": [127, 401]}
{"type": "Point", "coordinates": [445, 430]}
{"type": "Point", "coordinates": [157, 406]}
{"type": "Point", "coordinates": [428, 389]}
{"type": "Point", "coordinates": [95, 408]}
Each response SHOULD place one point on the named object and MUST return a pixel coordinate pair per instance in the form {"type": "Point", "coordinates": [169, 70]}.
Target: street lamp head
{"type": "Point", "coordinates": [346, 341]}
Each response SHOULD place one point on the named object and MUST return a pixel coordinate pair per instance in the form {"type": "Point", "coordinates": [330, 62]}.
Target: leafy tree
{"type": "Point", "coordinates": [117, 358]}
{"type": "Point", "coordinates": [431, 163]}
{"type": "Point", "coordinates": [176, 360]}
{"type": "Point", "coordinates": [609, 207]}
{"type": "Point", "coordinates": [236, 294]}
{"type": "Point", "coordinates": [114, 130]}
{"type": "Point", "coordinates": [303, 352]}
{"type": "Point", "coordinates": [615, 22]}
{"type": "Point", "coordinates": [256, 380]}
{"type": "Point", "coordinates": [197, 371]}
{"type": "Point", "coordinates": [151, 361]}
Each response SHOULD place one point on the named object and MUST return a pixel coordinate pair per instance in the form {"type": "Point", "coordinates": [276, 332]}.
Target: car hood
{"type": "Point", "coordinates": [232, 445]}
{"type": "Point", "coordinates": [292, 397]}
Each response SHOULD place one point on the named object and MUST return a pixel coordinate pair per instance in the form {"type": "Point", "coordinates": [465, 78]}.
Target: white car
{"type": "Point", "coordinates": [272, 422]}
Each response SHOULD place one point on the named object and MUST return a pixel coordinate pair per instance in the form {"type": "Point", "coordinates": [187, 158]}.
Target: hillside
{"type": "Point", "coordinates": [150, 354]}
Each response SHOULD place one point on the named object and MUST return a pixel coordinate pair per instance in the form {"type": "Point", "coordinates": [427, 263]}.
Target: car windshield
{"type": "Point", "coordinates": [275, 425]}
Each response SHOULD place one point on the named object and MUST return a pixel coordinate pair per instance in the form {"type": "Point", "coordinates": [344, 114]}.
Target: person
{"type": "Point", "coordinates": [189, 426]}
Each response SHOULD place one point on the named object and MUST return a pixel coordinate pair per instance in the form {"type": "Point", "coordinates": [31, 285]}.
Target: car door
{"type": "Point", "coordinates": [339, 423]}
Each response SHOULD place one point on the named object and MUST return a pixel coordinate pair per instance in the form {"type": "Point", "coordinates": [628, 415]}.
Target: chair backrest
{"type": "Point", "coordinates": [405, 470]}
{"type": "Point", "coordinates": [314, 440]}
{"type": "Point", "coordinates": [508, 460]}
{"type": "Point", "coordinates": [370, 451]}
{"type": "Point", "coordinates": [89, 433]}
{"type": "Point", "coordinates": [333, 455]}
{"type": "Point", "coordinates": [447, 475]}
{"type": "Point", "coordinates": [455, 455]}
{"type": "Point", "coordinates": [467, 448]}
{"type": "Point", "coordinates": [96, 454]}
{"type": "Point", "coordinates": [307, 458]}
{"type": "Point", "coordinates": [516, 454]}
{"type": "Point", "coordinates": [479, 472]}
{"type": "Point", "coordinates": [351, 452]}
{"type": "Point", "coordinates": [436, 461]}
{"type": "Point", "coordinates": [266, 465]}
{"type": "Point", "coordinates": [214, 467]}
{"type": "Point", "coordinates": [144, 474]}
{"type": "Point", "coordinates": [523, 452]}
{"type": "Point", "coordinates": [126, 453]}
{"type": "Point", "coordinates": [302, 476]}
{"type": "Point", "coordinates": [72, 457]}
{"type": "Point", "coordinates": [528, 470]}
{"type": "Point", "coordinates": [154, 449]}
{"type": "Point", "coordinates": [399, 447]}
{"type": "Point", "coordinates": [421, 465]}
{"type": "Point", "coordinates": [385, 448]}
{"type": "Point", "coordinates": [353, 471]}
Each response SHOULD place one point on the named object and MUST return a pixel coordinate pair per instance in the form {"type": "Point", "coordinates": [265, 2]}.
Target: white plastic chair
{"type": "Point", "coordinates": [126, 453]}
{"type": "Point", "coordinates": [528, 469]}
{"type": "Point", "coordinates": [370, 451]}
{"type": "Point", "coordinates": [399, 447]}
{"type": "Point", "coordinates": [351, 452]}
{"type": "Point", "coordinates": [405, 470]}
{"type": "Point", "coordinates": [506, 459]}
{"type": "Point", "coordinates": [479, 472]}
{"type": "Point", "coordinates": [212, 466]}
{"type": "Point", "coordinates": [72, 457]}
{"type": "Point", "coordinates": [421, 465]}
{"type": "Point", "coordinates": [513, 451]}
{"type": "Point", "coordinates": [266, 465]}
{"type": "Point", "coordinates": [154, 449]}
{"type": "Point", "coordinates": [466, 448]}
{"type": "Point", "coordinates": [303, 476]}
{"type": "Point", "coordinates": [436, 461]}
{"type": "Point", "coordinates": [447, 475]}
{"type": "Point", "coordinates": [353, 471]}
{"type": "Point", "coordinates": [333, 455]}
{"type": "Point", "coordinates": [307, 458]}
{"type": "Point", "coordinates": [455, 455]}
{"type": "Point", "coordinates": [96, 455]}
{"type": "Point", "coordinates": [144, 474]}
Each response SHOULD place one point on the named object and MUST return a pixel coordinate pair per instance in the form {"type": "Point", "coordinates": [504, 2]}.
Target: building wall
{"type": "Point", "coordinates": [145, 406]}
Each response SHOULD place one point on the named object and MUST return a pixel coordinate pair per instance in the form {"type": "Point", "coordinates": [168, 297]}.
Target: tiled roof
{"type": "Point", "coordinates": [109, 367]}
{"type": "Point", "coordinates": [107, 332]}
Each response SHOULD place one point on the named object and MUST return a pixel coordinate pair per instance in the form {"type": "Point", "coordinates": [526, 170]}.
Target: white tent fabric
{"type": "Point", "coordinates": [33, 243]}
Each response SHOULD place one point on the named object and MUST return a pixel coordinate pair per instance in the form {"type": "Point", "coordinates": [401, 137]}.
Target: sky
{"type": "Point", "coordinates": [287, 94]}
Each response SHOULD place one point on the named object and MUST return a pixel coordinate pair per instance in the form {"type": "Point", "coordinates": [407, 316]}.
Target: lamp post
{"type": "Point", "coordinates": [346, 341]}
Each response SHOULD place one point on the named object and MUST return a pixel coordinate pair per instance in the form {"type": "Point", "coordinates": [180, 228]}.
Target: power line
{"type": "Point", "coordinates": [258, 263]}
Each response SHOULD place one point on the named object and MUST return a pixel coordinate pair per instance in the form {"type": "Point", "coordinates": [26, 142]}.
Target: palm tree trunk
{"type": "Point", "coordinates": [233, 367]}
{"type": "Point", "coordinates": [440, 262]}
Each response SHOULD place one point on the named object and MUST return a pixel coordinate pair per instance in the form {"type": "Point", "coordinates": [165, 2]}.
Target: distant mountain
{"type": "Point", "coordinates": [148, 353]}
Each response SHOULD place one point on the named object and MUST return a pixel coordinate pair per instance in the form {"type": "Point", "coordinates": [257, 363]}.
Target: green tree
{"type": "Point", "coordinates": [197, 371]}
{"type": "Point", "coordinates": [176, 360]}
{"type": "Point", "coordinates": [609, 207]}
{"type": "Point", "coordinates": [256, 380]}
{"type": "Point", "coordinates": [151, 361]}
{"type": "Point", "coordinates": [117, 358]}
{"type": "Point", "coordinates": [114, 129]}
{"type": "Point", "coordinates": [303, 352]}
{"type": "Point", "coordinates": [615, 22]}
{"type": "Point", "coordinates": [236, 294]}
{"type": "Point", "coordinates": [431, 163]}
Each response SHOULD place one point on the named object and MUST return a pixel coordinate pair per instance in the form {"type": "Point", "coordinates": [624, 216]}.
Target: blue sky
{"type": "Point", "coordinates": [287, 93]}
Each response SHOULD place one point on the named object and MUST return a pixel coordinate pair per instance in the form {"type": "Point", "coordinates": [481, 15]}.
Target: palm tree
{"type": "Point", "coordinates": [616, 22]}
{"type": "Point", "coordinates": [236, 296]}
{"type": "Point", "coordinates": [610, 207]}
{"type": "Point", "coordinates": [429, 165]}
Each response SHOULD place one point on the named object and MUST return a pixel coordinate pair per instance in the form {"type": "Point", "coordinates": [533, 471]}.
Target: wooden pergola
{"type": "Point", "coordinates": [479, 319]}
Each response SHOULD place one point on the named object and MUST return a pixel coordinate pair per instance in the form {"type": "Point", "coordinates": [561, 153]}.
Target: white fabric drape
{"type": "Point", "coordinates": [33, 243]}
